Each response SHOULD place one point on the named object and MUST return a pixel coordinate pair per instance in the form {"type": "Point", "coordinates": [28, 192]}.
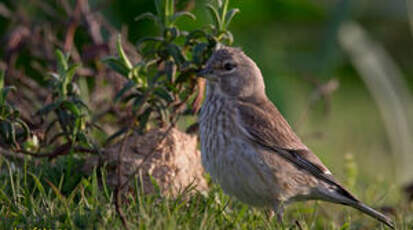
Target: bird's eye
{"type": "Point", "coordinates": [229, 66]}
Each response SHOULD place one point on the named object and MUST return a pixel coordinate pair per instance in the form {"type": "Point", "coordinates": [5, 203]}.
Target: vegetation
{"type": "Point", "coordinates": [68, 92]}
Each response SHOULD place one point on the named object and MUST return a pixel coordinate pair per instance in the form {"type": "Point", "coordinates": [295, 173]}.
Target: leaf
{"type": "Point", "coordinates": [71, 71]}
{"type": "Point", "coordinates": [117, 134]}
{"type": "Point", "coordinates": [177, 15]}
{"type": "Point", "coordinates": [5, 197]}
{"type": "Point", "coordinates": [183, 77]}
{"type": "Point", "coordinates": [164, 94]}
{"type": "Point", "coordinates": [130, 97]}
{"type": "Point", "coordinates": [59, 195]}
{"type": "Point", "coordinates": [5, 130]}
{"type": "Point", "coordinates": [72, 108]}
{"type": "Point", "coordinates": [196, 34]}
{"type": "Point", "coordinates": [81, 103]}
{"type": "Point", "coordinates": [139, 101]}
{"type": "Point", "coordinates": [124, 89]}
{"type": "Point", "coordinates": [215, 15]}
{"type": "Point", "coordinates": [8, 131]}
{"type": "Point", "coordinates": [198, 53]}
{"type": "Point", "coordinates": [158, 5]}
{"type": "Point", "coordinates": [229, 37]}
{"type": "Point", "coordinates": [148, 39]}
{"type": "Point", "coordinates": [25, 127]}
{"type": "Point", "coordinates": [171, 33]}
{"type": "Point", "coordinates": [149, 16]}
{"type": "Point", "coordinates": [1, 79]}
{"type": "Point", "coordinates": [48, 108]}
{"type": "Point", "coordinates": [144, 118]}
{"type": "Point", "coordinates": [170, 71]}
{"type": "Point", "coordinates": [116, 65]}
{"type": "Point", "coordinates": [62, 64]}
{"type": "Point", "coordinates": [4, 92]}
{"type": "Point", "coordinates": [176, 53]}
{"type": "Point", "coordinates": [230, 15]}
{"type": "Point", "coordinates": [38, 184]}
{"type": "Point", "coordinates": [122, 53]}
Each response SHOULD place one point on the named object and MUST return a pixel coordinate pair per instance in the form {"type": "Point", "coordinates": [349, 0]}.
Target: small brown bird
{"type": "Point", "coordinates": [249, 148]}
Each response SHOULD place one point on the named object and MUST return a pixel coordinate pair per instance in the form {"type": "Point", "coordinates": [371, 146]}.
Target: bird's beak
{"type": "Point", "coordinates": [207, 73]}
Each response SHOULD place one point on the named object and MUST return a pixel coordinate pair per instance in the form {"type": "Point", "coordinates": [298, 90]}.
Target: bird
{"type": "Point", "coordinates": [249, 148]}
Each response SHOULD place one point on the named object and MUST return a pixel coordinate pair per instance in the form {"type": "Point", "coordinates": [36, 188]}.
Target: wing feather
{"type": "Point", "coordinates": [265, 126]}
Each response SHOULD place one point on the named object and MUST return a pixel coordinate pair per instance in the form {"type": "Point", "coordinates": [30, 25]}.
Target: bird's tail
{"type": "Point", "coordinates": [342, 196]}
{"type": "Point", "coordinates": [373, 213]}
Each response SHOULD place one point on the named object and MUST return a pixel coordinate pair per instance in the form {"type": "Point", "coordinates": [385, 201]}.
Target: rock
{"type": "Point", "coordinates": [174, 162]}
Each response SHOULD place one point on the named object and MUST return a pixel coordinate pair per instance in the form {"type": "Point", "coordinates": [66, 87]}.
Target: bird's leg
{"type": "Point", "coordinates": [279, 211]}
{"type": "Point", "coordinates": [269, 213]}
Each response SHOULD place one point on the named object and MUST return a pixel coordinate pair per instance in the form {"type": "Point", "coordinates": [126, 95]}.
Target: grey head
{"type": "Point", "coordinates": [231, 73]}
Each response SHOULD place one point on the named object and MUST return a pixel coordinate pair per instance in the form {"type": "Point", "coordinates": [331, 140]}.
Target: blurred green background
{"type": "Point", "coordinates": [296, 45]}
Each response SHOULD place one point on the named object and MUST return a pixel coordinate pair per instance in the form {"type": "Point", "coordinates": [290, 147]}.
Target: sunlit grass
{"type": "Point", "coordinates": [46, 196]}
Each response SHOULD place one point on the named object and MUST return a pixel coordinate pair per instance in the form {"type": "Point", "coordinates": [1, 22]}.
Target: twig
{"type": "Point", "coordinates": [196, 105]}
{"type": "Point", "coordinates": [298, 225]}
{"type": "Point", "coordinates": [119, 187]}
{"type": "Point", "coordinates": [74, 21]}
{"type": "Point", "coordinates": [11, 155]}
{"type": "Point", "coordinates": [61, 150]}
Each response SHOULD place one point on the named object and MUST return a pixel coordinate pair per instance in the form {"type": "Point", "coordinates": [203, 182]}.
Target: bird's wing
{"type": "Point", "coordinates": [264, 125]}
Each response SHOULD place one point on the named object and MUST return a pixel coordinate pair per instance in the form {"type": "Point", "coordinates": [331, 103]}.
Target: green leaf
{"type": "Point", "coordinates": [38, 184]}
{"type": "Point", "coordinates": [25, 127]}
{"type": "Point", "coordinates": [48, 108]}
{"type": "Point", "coordinates": [116, 65]}
{"type": "Point", "coordinates": [130, 97]}
{"type": "Point", "coordinates": [149, 16]}
{"type": "Point", "coordinates": [4, 92]}
{"type": "Point", "coordinates": [176, 53]}
{"type": "Point", "coordinates": [198, 53]}
{"type": "Point", "coordinates": [148, 39]}
{"type": "Point", "coordinates": [229, 16]}
{"type": "Point", "coordinates": [117, 134]}
{"type": "Point", "coordinates": [196, 34]}
{"type": "Point", "coordinates": [215, 15]}
{"type": "Point", "coordinates": [164, 94]}
{"type": "Point", "coordinates": [129, 85]}
{"type": "Point", "coordinates": [81, 103]}
{"type": "Point", "coordinates": [138, 102]}
{"type": "Point", "coordinates": [12, 134]}
{"type": "Point", "coordinates": [170, 71]}
{"type": "Point", "coordinates": [1, 79]}
{"type": "Point", "coordinates": [144, 118]}
{"type": "Point", "coordinates": [5, 130]}
{"type": "Point", "coordinates": [171, 33]}
{"type": "Point", "coordinates": [72, 108]}
{"type": "Point", "coordinates": [189, 15]}
{"type": "Point", "coordinates": [62, 64]}
{"type": "Point", "coordinates": [71, 72]}
{"type": "Point", "coordinates": [58, 194]}
{"type": "Point", "coordinates": [122, 53]}
{"type": "Point", "coordinates": [158, 5]}
{"type": "Point", "coordinates": [229, 37]}
{"type": "Point", "coordinates": [4, 197]}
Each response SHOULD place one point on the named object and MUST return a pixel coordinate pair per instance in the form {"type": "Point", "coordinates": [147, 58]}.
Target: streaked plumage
{"type": "Point", "coordinates": [250, 149]}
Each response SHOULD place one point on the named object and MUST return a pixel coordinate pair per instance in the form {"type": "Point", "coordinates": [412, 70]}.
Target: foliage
{"type": "Point", "coordinates": [44, 197]}
{"type": "Point", "coordinates": [80, 107]}
{"type": "Point", "coordinates": [69, 109]}
{"type": "Point", "coordinates": [12, 128]}
{"type": "Point", "coordinates": [162, 84]}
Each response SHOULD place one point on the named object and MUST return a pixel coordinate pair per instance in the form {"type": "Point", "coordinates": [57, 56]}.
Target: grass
{"type": "Point", "coordinates": [59, 196]}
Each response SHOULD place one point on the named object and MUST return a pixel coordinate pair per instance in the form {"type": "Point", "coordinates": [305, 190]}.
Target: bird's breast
{"type": "Point", "coordinates": [228, 157]}
{"type": "Point", "coordinates": [216, 133]}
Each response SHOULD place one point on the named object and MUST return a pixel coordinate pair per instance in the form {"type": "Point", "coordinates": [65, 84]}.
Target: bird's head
{"type": "Point", "coordinates": [232, 73]}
